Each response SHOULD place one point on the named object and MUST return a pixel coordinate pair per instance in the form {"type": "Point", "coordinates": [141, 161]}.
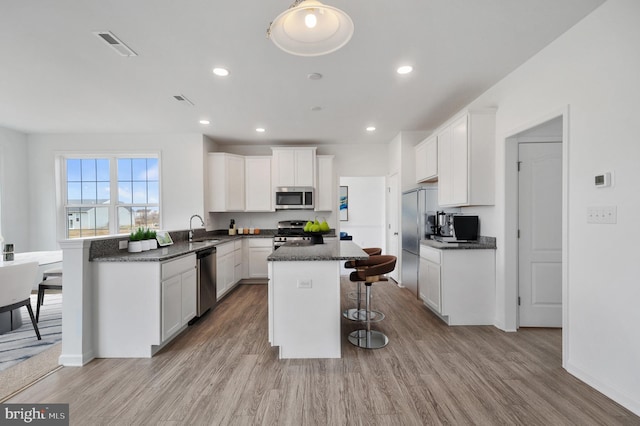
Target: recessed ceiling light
{"type": "Point", "coordinates": [221, 72]}
{"type": "Point", "coordinates": [405, 69]}
{"type": "Point", "coordinates": [204, 121]}
{"type": "Point", "coordinates": [371, 129]}
{"type": "Point", "coordinates": [260, 130]}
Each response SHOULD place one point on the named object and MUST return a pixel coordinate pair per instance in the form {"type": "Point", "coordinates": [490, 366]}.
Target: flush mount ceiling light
{"type": "Point", "coordinates": [405, 69]}
{"type": "Point", "coordinates": [310, 28]}
{"type": "Point", "coordinates": [260, 129]}
{"type": "Point", "coordinates": [371, 129]}
{"type": "Point", "coordinates": [204, 122]}
{"type": "Point", "coordinates": [221, 72]}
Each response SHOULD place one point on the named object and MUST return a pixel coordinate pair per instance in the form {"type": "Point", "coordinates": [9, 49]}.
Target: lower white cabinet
{"type": "Point", "coordinates": [458, 285]}
{"type": "Point", "coordinates": [178, 291]}
{"type": "Point", "coordinates": [228, 266]}
{"type": "Point", "coordinates": [259, 250]}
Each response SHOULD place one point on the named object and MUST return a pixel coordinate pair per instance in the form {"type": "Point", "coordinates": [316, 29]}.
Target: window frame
{"type": "Point", "coordinates": [114, 204]}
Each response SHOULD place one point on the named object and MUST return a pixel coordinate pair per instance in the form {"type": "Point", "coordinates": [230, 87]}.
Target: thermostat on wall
{"type": "Point", "coordinates": [603, 180]}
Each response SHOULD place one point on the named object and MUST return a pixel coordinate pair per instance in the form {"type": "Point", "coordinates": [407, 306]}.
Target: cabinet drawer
{"type": "Point", "coordinates": [260, 242]}
{"type": "Point", "coordinates": [237, 244]}
{"type": "Point", "coordinates": [178, 266]}
{"type": "Point", "coordinates": [431, 254]}
{"type": "Point", "coordinates": [225, 248]}
{"type": "Point", "coordinates": [237, 256]}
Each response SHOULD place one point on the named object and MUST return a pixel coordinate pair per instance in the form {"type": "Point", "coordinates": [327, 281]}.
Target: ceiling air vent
{"type": "Point", "coordinates": [183, 98]}
{"type": "Point", "coordinates": [115, 43]}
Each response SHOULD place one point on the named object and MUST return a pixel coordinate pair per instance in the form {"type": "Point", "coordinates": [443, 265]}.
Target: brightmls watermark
{"type": "Point", "coordinates": [34, 414]}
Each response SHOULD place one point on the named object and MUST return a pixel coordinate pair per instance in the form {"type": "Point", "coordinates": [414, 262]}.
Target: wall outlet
{"type": "Point", "coordinates": [123, 244]}
{"type": "Point", "coordinates": [602, 215]}
{"type": "Point", "coordinates": [304, 283]}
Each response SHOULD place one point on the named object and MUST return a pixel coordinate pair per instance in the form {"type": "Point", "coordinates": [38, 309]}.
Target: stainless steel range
{"type": "Point", "coordinates": [290, 231]}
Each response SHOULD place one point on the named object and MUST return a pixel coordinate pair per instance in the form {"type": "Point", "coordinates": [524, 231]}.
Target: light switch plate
{"type": "Point", "coordinates": [602, 214]}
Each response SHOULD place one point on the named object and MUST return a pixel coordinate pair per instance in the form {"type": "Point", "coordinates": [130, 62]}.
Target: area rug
{"type": "Point", "coordinates": [21, 344]}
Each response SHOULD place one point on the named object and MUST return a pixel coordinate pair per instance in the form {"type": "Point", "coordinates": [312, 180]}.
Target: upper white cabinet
{"type": "Point", "coordinates": [259, 196]}
{"type": "Point", "coordinates": [293, 166]}
{"type": "Point", "coordinates": [466, 151]}
{"type": "Point", "coordinates": [226, 182]}
{"type": "Point", "coordinates": [325, 190]}
{"type": "Point", "coordinates": [426, 154]}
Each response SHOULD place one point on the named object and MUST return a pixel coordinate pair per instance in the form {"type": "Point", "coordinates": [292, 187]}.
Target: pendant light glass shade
{"type": "Point", "coordinates": [310, 28]}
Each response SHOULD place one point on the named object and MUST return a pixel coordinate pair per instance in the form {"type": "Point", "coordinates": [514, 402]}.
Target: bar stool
{"type": "Point", "coordinates": [375, 268]}
{"type": "Point", "coordinates": [51, 280]}
{"type": "Point", "coordinates": [355, 314]}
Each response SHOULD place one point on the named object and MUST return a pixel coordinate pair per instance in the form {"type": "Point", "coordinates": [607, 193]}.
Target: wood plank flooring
{"type": "Point", "coordinates": [223, 371]}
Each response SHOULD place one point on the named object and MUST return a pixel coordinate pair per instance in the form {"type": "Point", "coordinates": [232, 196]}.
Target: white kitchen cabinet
{"type": "Point", "coordinates": [293, 166]}
{"type": "Point", "coordinates": [258, 190]}
{"type": "Point", "coordinates": [171, 312]}
{"type": "Point", "coordinates": [259, 249]}
{"type": "Point", "coordinates": [429, 287]}
{"type": "Point", "coordinates": [178, 294]}
{"type": "Point", "coordinates": [325, 189]}
{"type": "Point", "coordinates": [228, 266]}
{"type": "Point", "coordinates": [426, 155]}
{"type": "Point", "coordinates": [458, 285]}
{"type": "Point", "coordinates": [226, 182]}
{"type": "Point", "coordinates": [465, 151]}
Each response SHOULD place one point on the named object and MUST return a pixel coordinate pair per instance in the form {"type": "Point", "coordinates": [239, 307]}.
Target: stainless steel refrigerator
{"type": "Point", "coordinates": [415, 205]}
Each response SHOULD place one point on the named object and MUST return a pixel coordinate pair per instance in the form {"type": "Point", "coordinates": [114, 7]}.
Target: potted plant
{"type": "Point", "coordinates": [135, 241]}
{"type": "Point", "coordinates": [151, 237]}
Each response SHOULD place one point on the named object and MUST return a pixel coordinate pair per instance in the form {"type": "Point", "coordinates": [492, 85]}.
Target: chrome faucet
{"type": "Point", "coordinates": [191, 226]}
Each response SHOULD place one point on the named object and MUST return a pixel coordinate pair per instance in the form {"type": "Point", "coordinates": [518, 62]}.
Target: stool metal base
{"type": "Point", "coordinates": [360, 315]}
{"type": "Point", "coordinates": [368, 339]}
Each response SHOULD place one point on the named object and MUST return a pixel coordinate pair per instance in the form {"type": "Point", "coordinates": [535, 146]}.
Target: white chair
{"type": "Point", "coordinates": [15, 288]}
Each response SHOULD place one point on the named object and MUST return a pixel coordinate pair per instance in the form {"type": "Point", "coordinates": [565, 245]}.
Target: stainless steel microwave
{"type": "Point", "coordinates": [294, 198]}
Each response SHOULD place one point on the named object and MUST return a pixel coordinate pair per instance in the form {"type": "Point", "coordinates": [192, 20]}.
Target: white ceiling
{"type": "Point", "coordinates": [57, 77]}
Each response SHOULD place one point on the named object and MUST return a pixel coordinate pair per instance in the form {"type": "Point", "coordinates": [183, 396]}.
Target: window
{"type": "Point", "coordinates": [90, 207]}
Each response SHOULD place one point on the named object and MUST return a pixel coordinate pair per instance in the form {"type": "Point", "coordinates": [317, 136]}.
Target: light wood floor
{"type": "Point", "coordinates": [223, 371]}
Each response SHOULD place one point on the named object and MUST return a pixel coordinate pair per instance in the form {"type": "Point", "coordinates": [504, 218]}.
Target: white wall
{"type": "Point", "coordinates": [14, 189]}
{"type": "Point", "coordinates": [366, 211]}
{"type": "Point", "coordinates": [182, 183]}
{"type": "Point", "coordinates": [593, 69]}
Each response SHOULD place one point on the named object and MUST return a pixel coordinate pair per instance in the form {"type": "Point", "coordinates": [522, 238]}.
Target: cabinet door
{"type": "Point", "coordinates": [284, 167]}
{"type": "Point", "coordinates": [225, 272]}
{"type": "Point", "coordinates": [258, 192]}
{"type": "Point", "coordinates": [171, 306]}
{"type": "Point", "coordinates": [459, 161]}
{"type": "Point", "coordinates": [189, 295]}
{"type": "Point", "coordinates": [325, 198]}
{"type": "Point", "coordinates": [420, 153]}
{"type": "Point", "coordinates": [235, 183]}
{"type": "Point", "coordinates": [258, 261]}
{"type": "Point", "coordinates": [305, 167]}
{"type": "Point", "coordinates": [429, 284]}
{"type": "Point", "coordinates": [445, 172]}
{"type": "Point", "coordinates": [426, 156]}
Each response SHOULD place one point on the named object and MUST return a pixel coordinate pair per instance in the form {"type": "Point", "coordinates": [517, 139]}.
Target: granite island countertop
{"type": "Point", "coordinates": [330, 250]}
{"type": "Point", "coordinates": [483, 243]}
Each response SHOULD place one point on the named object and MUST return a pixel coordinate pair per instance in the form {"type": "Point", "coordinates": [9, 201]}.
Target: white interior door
{"type": "Point", "coordinates": [393, 225]}
{"type": "Point", "coordinates": [540, 229]}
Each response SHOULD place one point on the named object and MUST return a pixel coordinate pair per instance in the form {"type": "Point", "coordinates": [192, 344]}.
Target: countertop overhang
{"type": "Point", "coordinates": [330, 250]}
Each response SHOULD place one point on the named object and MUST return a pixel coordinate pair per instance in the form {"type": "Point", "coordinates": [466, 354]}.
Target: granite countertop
{"type": "Point", "coordinates": [484, 243]}
{"type": "Point", "coordinates": [330, 250]}
{"type": "Point", "coordinates": [179, 248]}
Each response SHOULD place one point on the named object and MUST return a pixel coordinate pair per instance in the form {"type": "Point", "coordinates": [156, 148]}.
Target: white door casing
{"type": "Point", "coordinates": [393, 225]}
{"type": "Point", "coordinates": [540, 229]}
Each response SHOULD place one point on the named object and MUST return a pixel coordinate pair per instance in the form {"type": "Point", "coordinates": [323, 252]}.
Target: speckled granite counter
{"type": "Point", "coordinates": [330, 250]}
{"type": "Point", "coordinates": [107, 251]}
{"type": "Point", "coordinates": [484, 243]}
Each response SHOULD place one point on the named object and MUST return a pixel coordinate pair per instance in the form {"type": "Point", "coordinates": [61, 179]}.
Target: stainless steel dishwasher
{"type": "Point", "coordinates": [206, 280]}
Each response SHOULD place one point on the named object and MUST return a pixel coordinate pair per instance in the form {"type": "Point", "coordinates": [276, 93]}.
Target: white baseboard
{"type": "Point", "coordinates": [75, 360]}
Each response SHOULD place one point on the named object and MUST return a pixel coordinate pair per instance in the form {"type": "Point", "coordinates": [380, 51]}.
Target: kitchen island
{"type": "Point", "coordinates": [304, 298]}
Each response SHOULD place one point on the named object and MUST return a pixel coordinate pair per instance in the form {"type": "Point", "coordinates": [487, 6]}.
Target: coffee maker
{"type": "Point", "coordinates": [444, 224]}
